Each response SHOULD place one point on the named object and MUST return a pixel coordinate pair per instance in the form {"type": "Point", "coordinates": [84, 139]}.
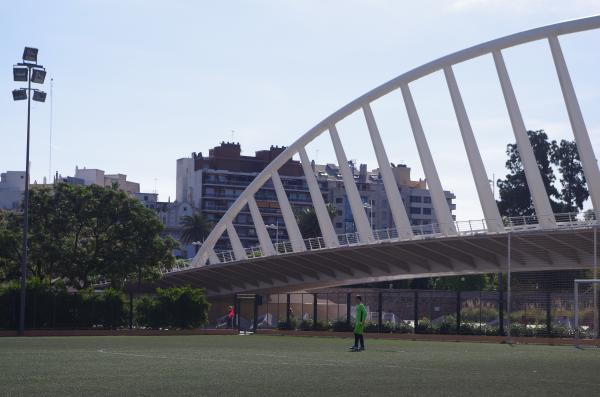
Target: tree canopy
{"type": "Point", "coordinates": [515, 197]}
{"type": "Point", "coordinates": [308, 223]}
{"type": "Point", "coordinates": [84, 234]}
{"type": "Point", "coordinates": [195, 227]}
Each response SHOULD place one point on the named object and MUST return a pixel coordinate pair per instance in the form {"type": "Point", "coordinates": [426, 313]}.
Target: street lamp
{"type": "Point", "coordinates": [197, 245]}
{"type": "Point", "coordinates": [369, 206]}
{"type": "Point", "coordinates": [29, 71]}
{"type": "Point", "coordinates": [276, 228]}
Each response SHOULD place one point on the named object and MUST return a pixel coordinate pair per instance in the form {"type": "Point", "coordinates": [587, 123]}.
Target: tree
{"type": "Point", "coordinates": [195, 228]}
{"type": "Point", "coordinates": [10, 245]}
{"type": "Point", "coordinates": [574, 189]}
{"type": "Point", "coordinates": [515, 197]}
{"type": "Point", "coordinates": [85, 234]}
{"type": "Point", "coordinates": [309, 223]}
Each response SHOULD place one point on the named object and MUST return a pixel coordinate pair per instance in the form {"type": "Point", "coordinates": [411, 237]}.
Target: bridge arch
{"type": "Point", "coordinates": [403, 231]}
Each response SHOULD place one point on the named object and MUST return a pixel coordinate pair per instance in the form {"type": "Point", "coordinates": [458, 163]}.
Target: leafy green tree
{"type": "Point", "coordinates": [85, 234]}
{"type": "Point", "coordinates": [10, 244]}
{"type": "Point", "coordinates": [195, 228]}
{"type": "Point", "coordinates": [515, 197]}
{"type": "Point", "coordinates": [574, 189]}
{"type": "Point", "coordinates": [308, 222]}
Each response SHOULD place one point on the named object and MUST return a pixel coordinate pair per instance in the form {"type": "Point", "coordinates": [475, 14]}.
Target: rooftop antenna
{"type": "Point", "coordinates": [155, 179]}
{"type": "Point", "coordinates": [50, 145]}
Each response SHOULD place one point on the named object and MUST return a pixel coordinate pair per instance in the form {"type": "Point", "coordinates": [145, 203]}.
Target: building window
{"type": "Point", "coordinates": [427, 199]}
{"type": "Point", "coordinates": [338, 225]}
{"type": "Point", "coordinates": [415, 210]}
{"type": "Point", "coordinates": [426, 211]}
{"type": "Point", "coordinates": [339, 200]}
{"type": "Point", "coordinates": [415, 199]}
{"type": "Point", "coordinates": [340, 213]}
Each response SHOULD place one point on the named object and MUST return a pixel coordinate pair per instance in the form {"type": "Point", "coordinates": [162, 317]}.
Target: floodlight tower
{"type": "Point", "coordinates": [31, 72]}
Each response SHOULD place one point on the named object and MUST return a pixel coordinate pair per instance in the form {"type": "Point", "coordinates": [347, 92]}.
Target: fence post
{"type": "Point", "coordinates": [548, 313]}
{"type": "Point", "coordinates": [596, 308]}
{"type": "Point", "coordinates": [458, 306]}
{"type": "Point", "coordinates": [288, 308]}
{"type": "Point", "coordinates": [416, 312]}
{"type": "Point", "coordinates": [130, 306]}
{"type": "Point", "coordinates": [380, 314]}
{"type": "Point", "coordinates": [348, 303]}
{"type": "Point", "coordinates": [315, 311]}
{"type": "Point", "coordinates": [255, 317]}
{"type": "Point", "coordinates": [53, 310]}
{"type": "Point", "coordinates": [500, 305]}
{"type": "Point", "coordinates": [236, 311]}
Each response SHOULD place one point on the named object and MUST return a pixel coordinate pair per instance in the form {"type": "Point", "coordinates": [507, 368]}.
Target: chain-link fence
{"type": "Point", "coordinates": [534, 310]}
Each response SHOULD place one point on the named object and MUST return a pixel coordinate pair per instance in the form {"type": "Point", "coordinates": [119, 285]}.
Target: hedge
{"type": "Point", "coordinates": [51, 306]}
{"type": "Point", "coordinates": [177, 307]}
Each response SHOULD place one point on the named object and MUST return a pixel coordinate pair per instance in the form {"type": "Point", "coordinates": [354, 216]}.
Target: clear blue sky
{"type": "Point", "coordinates": [140, 83]}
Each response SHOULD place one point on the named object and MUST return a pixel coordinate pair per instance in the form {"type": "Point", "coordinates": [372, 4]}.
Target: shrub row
{"type": "Point", "coordinates": [177, 307]}
{"type": "Point", "coordinates": [52, 306]}
{"type": "Point", "coordinates": [446, 326]}
{"type": "Point", "coordinates": [340, 325]}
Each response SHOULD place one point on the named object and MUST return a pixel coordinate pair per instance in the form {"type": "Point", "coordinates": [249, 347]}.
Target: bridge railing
{"type": "Point", "coordinates": [433, 230]}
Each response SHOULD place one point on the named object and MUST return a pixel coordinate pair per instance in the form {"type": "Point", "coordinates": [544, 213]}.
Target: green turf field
{"type": "Point", "coordinates": [281, 366]}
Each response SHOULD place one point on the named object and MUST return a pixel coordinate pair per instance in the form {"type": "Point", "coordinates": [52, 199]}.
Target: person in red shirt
{"type": "Point", "coordinates": [230, 314]}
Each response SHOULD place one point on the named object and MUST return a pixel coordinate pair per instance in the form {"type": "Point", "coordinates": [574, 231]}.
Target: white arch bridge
{"type": "Point", "coordinates": [543, 241]}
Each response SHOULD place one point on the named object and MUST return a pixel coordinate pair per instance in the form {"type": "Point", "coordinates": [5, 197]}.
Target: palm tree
{"type": "Point", "coordinates": [195, 228]}
{"type": "Point", "coordinates": [308, 222]}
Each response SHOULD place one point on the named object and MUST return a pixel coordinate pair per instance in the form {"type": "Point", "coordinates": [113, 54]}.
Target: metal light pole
{"type": "Point", "coordinates": [29, 71]}
{"type": "Point", "coordinates": [276, 228]}
{"type": "Point", "coordinates": [369, 206]}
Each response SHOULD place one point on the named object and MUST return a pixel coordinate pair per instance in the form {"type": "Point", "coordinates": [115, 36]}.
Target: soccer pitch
{"type": "Point", "coordinates": [278, 366]}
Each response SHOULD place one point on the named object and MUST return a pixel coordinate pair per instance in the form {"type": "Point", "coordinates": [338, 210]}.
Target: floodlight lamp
{"type": "Point", "coordinates": [30, 54]}
{"type": "Point", "coordinates": [20, 73]}
{"type": "Point", "coordinates": [39, 96]}
{"type": "Point", "coordinates": [20, 94]}
{"type": "Point", "coordinates": [38, 76]}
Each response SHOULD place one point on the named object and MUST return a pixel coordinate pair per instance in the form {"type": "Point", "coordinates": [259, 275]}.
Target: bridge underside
{"type": "Point", "coordinates": [530, 250]}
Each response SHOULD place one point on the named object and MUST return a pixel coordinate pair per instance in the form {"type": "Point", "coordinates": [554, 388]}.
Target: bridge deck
{"type": "Point", "coordinates": [530, 250]}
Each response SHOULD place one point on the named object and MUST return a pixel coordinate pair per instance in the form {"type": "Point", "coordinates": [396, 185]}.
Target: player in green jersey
{"type": "Point", "coordinates": [361, 317]}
